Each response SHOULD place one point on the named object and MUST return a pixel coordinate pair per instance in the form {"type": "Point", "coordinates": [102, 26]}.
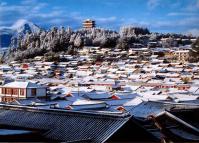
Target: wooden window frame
{"type": "Point", "coordinates": [33, 92]}
{"type": "Point", "coordinates": [8, 91]}
{"type": "Point", "coordinates": [3, 90]}
{"type": "Point", "coordinates": [22, 91]}
{"type": "Point", "coordinates": [15, 91]}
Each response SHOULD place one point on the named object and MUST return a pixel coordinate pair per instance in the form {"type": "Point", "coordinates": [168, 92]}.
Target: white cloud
{"type": "Point", "coordinates": [27, 9]}
{"type": "Point", "coordinates": [181, 14]}
{"type": "Point", "coordinates": [185, 22]}
{"type": "Point", "coordinates": [52, 14]}
{"type": "Point", "coordinates": [3, 3]}
{"type": "Point", "coordinates": [29, 2]}
{"type": "Point", "coordinates": [105, 19]}
{"type": "Point", "coordinates": [21, 8]}
{"type": "Point", "coordinates": [197, 4]}
{"type": "Point", "coordinates": [191, 21]}
{"type": "Point", "coordinates": [32, 10]}
{"type": "Point", "coordinates": [56, 21]}
{"type": "Point", "coordinates": [153, 3]}
{"type": "Point", "coordinates": [39, 7]}
{"type": "Point", "coordinates": [193, 6]}
{"type": "Point", "coordinates": [5, 8]}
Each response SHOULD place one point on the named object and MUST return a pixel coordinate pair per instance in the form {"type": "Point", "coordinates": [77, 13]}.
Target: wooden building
{"type": "Point", "coordinates": [182, 55]}
{"type": "Point", "coordinates": [21, 90]}
{"type": "Point", "coordinates": [89, 23]}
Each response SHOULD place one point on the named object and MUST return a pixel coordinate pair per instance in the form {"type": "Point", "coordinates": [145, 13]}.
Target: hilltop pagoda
{"type": "Point", "coordinates": [88, 23]}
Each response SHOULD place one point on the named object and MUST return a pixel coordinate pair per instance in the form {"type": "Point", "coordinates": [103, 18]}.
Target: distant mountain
{"type": "Point", "coordinates": [5, 37]}
{"type": "Point", "coordinates": [19, 28]}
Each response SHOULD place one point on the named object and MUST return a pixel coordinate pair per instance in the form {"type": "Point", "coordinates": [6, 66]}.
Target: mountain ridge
{"type": "Point", "coordinates": [19, 28]}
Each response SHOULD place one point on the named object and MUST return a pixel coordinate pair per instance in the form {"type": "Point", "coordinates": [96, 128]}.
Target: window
{"type": "Point", "coordinates": [9, 91]}
{"type": "Point", "coordinates": [3, 91]}
{"type": "Point", "coordinates": [7, 99]}
{"type": "Point", "coordinates": [15, 91]}
{"type": "Point", "coordinates": [33, 92]}
{"type": "Point", "coordinates": [21, 91]}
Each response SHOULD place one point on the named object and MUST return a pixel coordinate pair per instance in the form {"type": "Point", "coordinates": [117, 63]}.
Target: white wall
{"type": "Point", "coordinates": [28, 93]}
{"type": "Point", "coordinates": [40, 92]}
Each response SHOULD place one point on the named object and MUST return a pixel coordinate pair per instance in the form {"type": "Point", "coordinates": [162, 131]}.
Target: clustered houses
{"type": "Point", "coordinates": [141, 83]}
{"type": "Point", "coordinates": [95, 70]}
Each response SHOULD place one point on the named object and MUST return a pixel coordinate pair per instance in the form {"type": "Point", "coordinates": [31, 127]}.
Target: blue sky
{"type": "Point", "coordinates": [181, 16]}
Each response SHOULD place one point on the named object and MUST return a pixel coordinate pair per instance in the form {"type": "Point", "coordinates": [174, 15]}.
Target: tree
{"type": "Point", "coordinates": [194, 52]}
{"type": "Point", "coordinates": [186, 80]}
{"type": "Point", "coordinates": [51, 56]}
{"type": "Point", "coordinates": [166, 61]}
{"type": "Point", "coordinates": [123, 43]}
{"type": "Point", "coordinates": [78, 41]}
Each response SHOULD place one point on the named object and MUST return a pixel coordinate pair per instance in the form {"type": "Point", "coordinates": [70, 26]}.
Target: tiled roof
{"type": "Point", "coordinates": [19, 84]}
{"type": "Point", "coordinates": [64, 125]}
